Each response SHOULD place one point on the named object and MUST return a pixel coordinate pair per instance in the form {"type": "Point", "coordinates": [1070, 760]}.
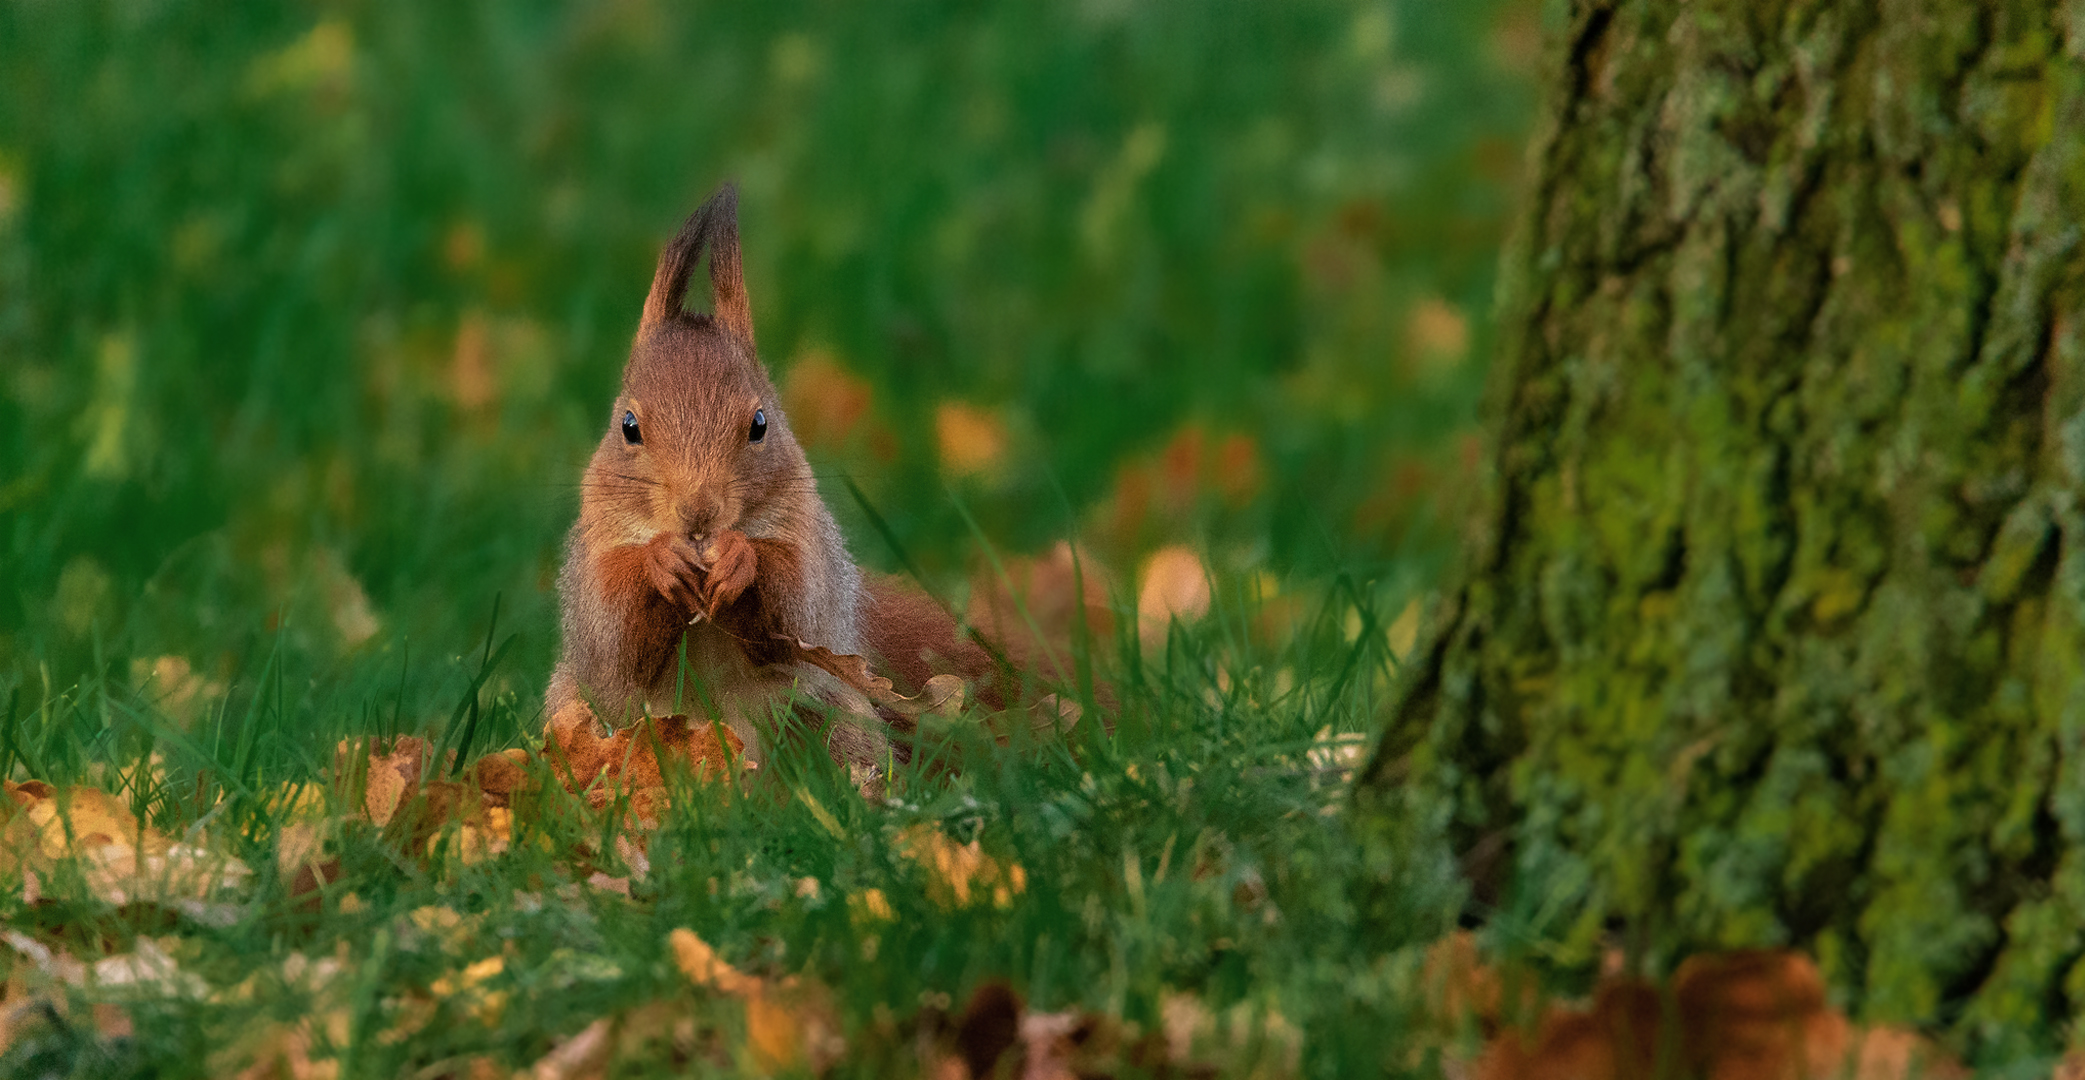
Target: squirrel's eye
{"type": "Point", "coordinates": [630, 432]}
{"type": "Point", "coordinates": [759, 431]}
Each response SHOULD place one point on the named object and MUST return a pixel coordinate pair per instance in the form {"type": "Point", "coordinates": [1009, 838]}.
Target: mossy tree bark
{"type": "Point", "coordinates": [1772, 623]}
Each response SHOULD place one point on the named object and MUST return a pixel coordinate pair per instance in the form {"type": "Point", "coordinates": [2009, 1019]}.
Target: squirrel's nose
{"type": "Point", "coordinates": [699, 513]}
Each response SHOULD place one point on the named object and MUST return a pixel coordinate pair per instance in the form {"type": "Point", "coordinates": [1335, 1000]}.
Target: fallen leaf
{"type": "Point", "coordinates": [1176, 588]}
{"type": "Point", "coordinates": [84, 817]}
{"type": "Point", "coordinates": [791, 1023]}
{"type": "Point", "coordinates": [297, 845]}
{"type": "Point", "coordinates": [870, 905]}
{"type": "Point", "coordinates": [1338, 754]}
{"type": "Point", "coordinates": [1741, 1016]}
{"type": "Point", "coordinates": [118, 874]}
{"type": "Point", "coordinates": [111, 1021]}
{"type": "Point", "coordinates": [700, 963]}
{"type": "Point", "coordinates": [959, 871]}
{"type": "Point", "coordinates": [503, 775]}
{"type": "Point", "coordinates": [485, 837]}
{"type": "Point", "coordinates": [390, 777]}
{"type": "Point", "coordinates": [628, 760]}
{"type": "Point", "coordinates": [276, 1052]}
{"type": "Point", "coordinates": [1437, 334]}
{"type": "Point", "coordinates": [176, 688]}
{"type": "Point", "coordinates": [121, 860]}
{"type": "Point", "coordinates": [53, 963]}
{"type": "Point", "coordinates": [971, 439]}
{"type": "Point", "coordinates": [582, 1055]}
{"type": "Point", "coordinates": [149, 967]}
{"type": "Point", "coordinates": [466, 988]}
{"type": "Point", "coordinates": [826, 403]}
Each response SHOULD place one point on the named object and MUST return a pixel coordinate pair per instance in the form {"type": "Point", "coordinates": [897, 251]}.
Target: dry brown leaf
{"type": "Point", "coordinates": [944, 695]}
{"type": "Point", "coordinates": [995, 1028]}
{"type": "Point", "coordinates": [1176, 587]}
{"type": "Point", "coordinates": [82, 817]}
{"type": "Point", "coordinates": [1437, 334]}
{"type": "Point", "coordinates": [466, 987]}
{"type": "Point", "coordinates": [700, 963]}
{"type": "Point", "coordinates": [56, 964]}
{"type": "Point", "coordinates": [503, 775]}
{"type": "Point", "coordinates": [847, 667]}
{"type": "Point", "coordinates": [297, 845]}
{"type": "Point", "coordinates": [581, 1056]}
{"type": "Point", "coordinates": [1187, 1023]}
{"type": "Point", "coordinates": [118, 874]}
{"type": "Point", "coordinates": [177, 689]}
{"type": "Point", "coordinates": [1742, 1016]}
{"type": "Point", "coordinates": [826, 403]}
{"type": "Point", "coordinates": [870, 906]}
{"type": "Point", "coordinates": [121, 860]}
{"type": "Point", "coordinates": [960, 871]}
{"type": "Point", "coordinates": [972, 439]}
{"type": "Point", "coordinates": [282, 1052]}
{"type": "Point", "coordinates": [391, 776]}
{"type": "Point", "coordinates": [791, 1023]}
{"type": "Point", "coordinates": [149, 967]}
{"type": "Point", "coordinates": [628, 760]}
{"type": "Point", "coordinates": [111, 1021]}
{"type": "Point", "coordinates": [486, 836]}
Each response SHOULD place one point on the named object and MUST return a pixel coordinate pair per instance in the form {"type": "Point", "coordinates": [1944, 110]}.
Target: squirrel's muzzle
{"type": "Point", "coordinates": [699, 514]}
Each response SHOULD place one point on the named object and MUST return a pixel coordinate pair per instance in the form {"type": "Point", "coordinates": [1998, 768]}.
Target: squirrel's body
{"type": "Point", "coordinates": [701, 535]}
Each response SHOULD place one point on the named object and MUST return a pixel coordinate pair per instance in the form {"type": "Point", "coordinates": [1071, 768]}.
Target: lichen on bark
{"type": "Point", "coordinates": [1771, 626]}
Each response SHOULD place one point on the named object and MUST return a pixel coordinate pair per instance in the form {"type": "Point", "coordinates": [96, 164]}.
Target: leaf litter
{"type": "Point", "coordinates": [1739, 1016]}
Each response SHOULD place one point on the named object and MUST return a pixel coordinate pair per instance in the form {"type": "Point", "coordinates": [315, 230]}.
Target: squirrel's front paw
{"type": "Point", "coordinates": [675, 570]}
{"type": "Point", "coordinates": [731, 568]}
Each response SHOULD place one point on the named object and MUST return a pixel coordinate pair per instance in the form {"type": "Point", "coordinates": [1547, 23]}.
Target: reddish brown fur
{"type": "Point", "coordinates": [752, 616]}
{"type": "Point", "coordinates": [912, 638]}
{"type": "Point", "coordinates": [655, 623]}
{"type": "Point", "coordinates": [697, 538]}
{"type": "Point", "coordinates": [699, 541]}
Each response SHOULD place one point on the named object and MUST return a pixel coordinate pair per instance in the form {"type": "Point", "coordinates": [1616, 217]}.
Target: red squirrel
{"type": "Point", "coordinates": [701, 533]}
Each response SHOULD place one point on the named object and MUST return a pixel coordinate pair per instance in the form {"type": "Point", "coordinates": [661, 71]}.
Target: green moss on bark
{"type": "Point", "coordinates": [1770, 629]}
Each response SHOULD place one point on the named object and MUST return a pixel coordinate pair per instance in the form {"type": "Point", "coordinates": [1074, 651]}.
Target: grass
{"type": "Point", "coordinates": [309, 315]}
{"type": "Point", "coordinates": [1197, 849]}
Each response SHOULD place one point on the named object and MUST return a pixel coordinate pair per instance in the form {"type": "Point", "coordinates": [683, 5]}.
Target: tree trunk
{"type": "Point", "coordinates": [1771, 625]}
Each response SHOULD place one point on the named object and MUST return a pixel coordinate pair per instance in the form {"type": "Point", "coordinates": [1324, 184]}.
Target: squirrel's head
{"type": "Point", "coordinates": [696, 443]}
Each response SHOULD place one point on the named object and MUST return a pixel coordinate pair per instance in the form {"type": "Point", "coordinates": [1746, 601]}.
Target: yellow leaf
{"type": "Point", "coordinates": [84, 817]}
{"type": "Point", "coordinates": [119, 874]}
{"type": "Point", "coordinates": [1438, 333]}
{"type": "Point", "coordinates": [870, 905]}
{"type": "Point", "coordinates": [792, 1026]}
{"type": "Point", "coordinates": [703, 967]}
{"type": "Point", "coordinates": [972, 440]}
{"type": "Point", "coordinates": [478, 841]}
{"type": "Point", "coordinates": [297, 845]}
{"type": "Point", "coordinates": [381, 797]}
{"type": "Point", "coordinates": [485, 1006]}
{"type": "Point", "coordinates": [1176, 587]}
{"type": "Point", "coordinates": [1404, 630]}
{"type": "Point", "coordinates": [582, 1055]}
{"type": "Point", "coordinates": [960, 870]}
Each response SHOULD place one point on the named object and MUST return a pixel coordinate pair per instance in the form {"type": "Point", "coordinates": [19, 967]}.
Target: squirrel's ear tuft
{"type": "Point", "coordinates": [714, 225]}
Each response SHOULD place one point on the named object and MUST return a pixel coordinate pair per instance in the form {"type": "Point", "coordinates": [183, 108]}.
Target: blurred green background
{"type": "Point", "coordinates": [310, 313]}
